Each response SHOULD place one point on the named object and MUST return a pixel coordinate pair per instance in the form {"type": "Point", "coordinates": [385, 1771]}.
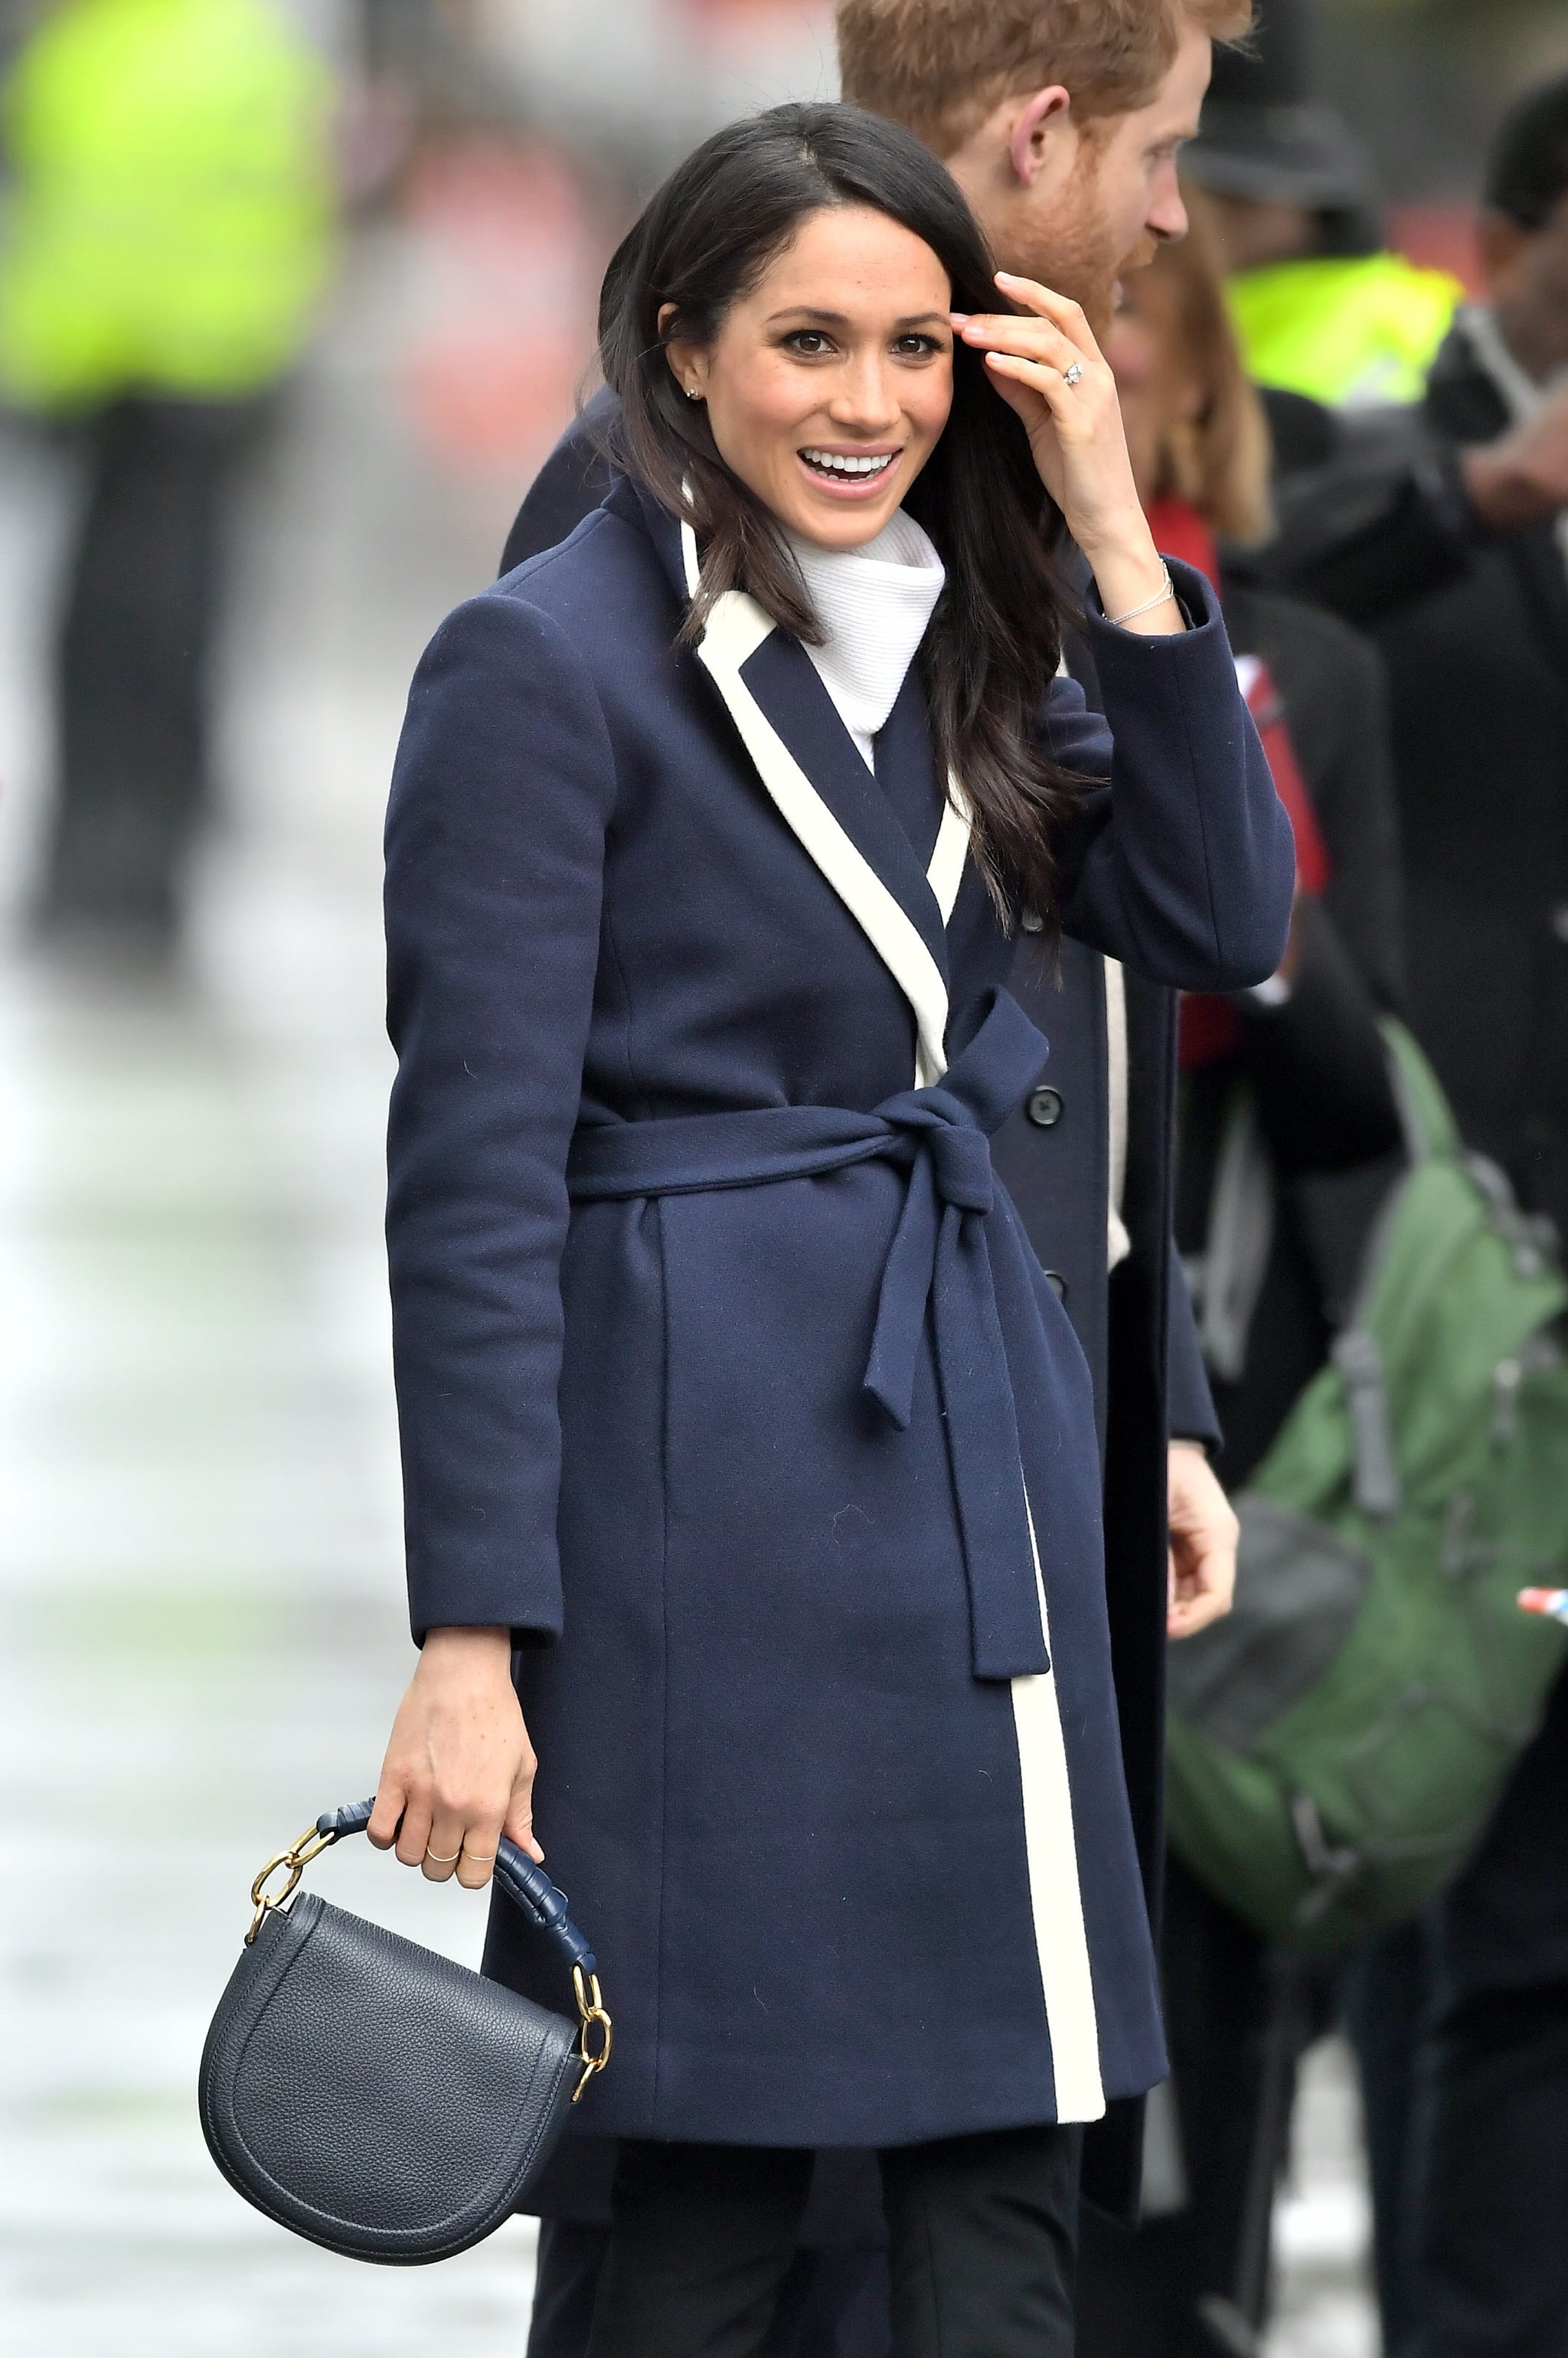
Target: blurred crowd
{"type": "Point", "coordinates": [1367, 454]}
{"type": "Point", "coordinates": [1372, 461]}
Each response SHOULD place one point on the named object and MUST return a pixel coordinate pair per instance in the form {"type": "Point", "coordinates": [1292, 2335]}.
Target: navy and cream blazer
{"type": "Point", "coordinates": [724, 1369]}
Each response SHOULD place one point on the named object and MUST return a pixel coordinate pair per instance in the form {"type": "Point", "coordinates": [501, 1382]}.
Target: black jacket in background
{"type": "Point", "coordinates": [1478, 674]}
{"type": "Point", "coordinates": [1316, 1063]}
{"type": "Point", "coordinates": [1474, 629]}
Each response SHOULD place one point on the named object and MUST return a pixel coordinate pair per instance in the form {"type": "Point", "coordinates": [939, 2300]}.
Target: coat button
{"type": "Point", "coordinates": [1057, 1283]}
{"type": "Point", "coordinates": [1559, 921]}
{"type": "Point", "coordinates": [1044, 1107]}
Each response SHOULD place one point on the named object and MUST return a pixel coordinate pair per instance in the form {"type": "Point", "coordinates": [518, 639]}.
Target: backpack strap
{"type": "Point", "coordinates": [1424, 1117]}
{"type": "Point", "coordinates": [1429, 1134]}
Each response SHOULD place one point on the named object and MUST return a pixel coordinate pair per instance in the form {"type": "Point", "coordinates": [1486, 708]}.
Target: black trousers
{"type": "Point", "coordinates": [833, 2302]}
{"type": "Point", "coordinates": [134, 660]}
{"type": "Point", "coordinates": [980, 2233]}
{"type": "Point", "coordinates": [1467, 2119]}
{"type": "Point", "coordinates": [1461, 2028]}
{"type": "Point", "coordinates": [1491, 2267]}
{"type": "Point", "coordinates": [1195, 2282]}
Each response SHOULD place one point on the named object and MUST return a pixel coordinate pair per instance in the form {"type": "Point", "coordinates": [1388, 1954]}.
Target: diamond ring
{"type": "Point", "coordinates": [1071, 376]}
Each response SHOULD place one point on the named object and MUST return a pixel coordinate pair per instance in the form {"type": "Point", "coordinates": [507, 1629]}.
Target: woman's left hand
{"type": "Point", "coordinates": [1203, 1538]}
{"type": "Point", "coordinates": [1075, 434]}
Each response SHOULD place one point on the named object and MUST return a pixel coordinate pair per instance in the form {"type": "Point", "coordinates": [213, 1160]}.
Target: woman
{"type": "Point", "coordinates": [1282, 1090]}
{"type": "Point", "coordinates": [729, 1395]}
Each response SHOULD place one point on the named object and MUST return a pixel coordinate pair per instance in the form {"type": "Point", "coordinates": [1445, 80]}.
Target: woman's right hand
{"type": "Point", "coordinates": [458, 1770]}
{"type": "Point", "coordinates": [1046, 363]}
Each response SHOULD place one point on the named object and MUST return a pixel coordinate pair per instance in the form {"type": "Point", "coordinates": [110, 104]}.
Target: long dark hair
{"type": "Point", "coordinates": [995, 639]}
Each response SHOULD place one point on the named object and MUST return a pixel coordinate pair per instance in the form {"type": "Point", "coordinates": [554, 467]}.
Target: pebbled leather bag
{"type": "Point", "coordinates": [372, 2096]}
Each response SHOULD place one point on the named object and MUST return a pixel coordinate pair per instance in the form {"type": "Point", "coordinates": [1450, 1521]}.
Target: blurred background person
{"type": "Point", "coordinates": [166, 232]}
{"type": "Point", "coordinates": [1469, 2127]}
{"type": "Point", "coordinates": [1320, 304]}
{"type": "Point", "coordinates": [1479, 675]}
{"type": "Point", "coordinates": [1278, 1084]}
{"type": "Point", "coordinates": [1338, 331]}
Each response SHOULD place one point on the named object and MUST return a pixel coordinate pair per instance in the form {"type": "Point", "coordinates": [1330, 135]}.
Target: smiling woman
{"type": "Point", "coordinates": [732, 1398]}
{"type": "Point", "coordinates": [828, 416]}
{"type": "Point", "coordinates": [824, 309]}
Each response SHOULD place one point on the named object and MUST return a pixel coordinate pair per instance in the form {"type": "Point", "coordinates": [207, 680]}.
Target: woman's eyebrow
{"type": "Point", "coordinates": [842, 320]}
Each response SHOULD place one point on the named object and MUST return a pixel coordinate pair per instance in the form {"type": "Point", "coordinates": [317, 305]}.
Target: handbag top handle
{"type": "Point", "coordinates": [528, 1887]}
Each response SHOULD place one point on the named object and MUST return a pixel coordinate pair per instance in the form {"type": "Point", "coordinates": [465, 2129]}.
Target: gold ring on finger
{"type": "Point", "coordinates": [480, 1857]}
{"type": "Point", "coordinates": [437, 1860]}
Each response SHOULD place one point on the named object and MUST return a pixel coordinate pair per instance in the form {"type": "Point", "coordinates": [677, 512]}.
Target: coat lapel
{"type": "Point", "coordinates": [936, 824]}
{"type": "Point", "coordinates": [834, 807]}
{"type": "Point", "coordinates": [789, 690]}
{"type": "Point", "coordinates": [736, 628]}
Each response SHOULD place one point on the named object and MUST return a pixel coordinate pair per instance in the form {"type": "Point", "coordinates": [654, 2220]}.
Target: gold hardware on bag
{"type": "Point", "coordinates": [596, 2033]}
{"type": "Point", "coordinates": [590, 2010]}
{"type": "Point", "coordinates": [296, 1859]}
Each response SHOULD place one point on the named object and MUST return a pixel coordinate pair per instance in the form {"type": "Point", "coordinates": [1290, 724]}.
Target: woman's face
{"type": "Point", "coordinates": [828, 385]}
{"type": "Point", "coordinates": [1158, 393]}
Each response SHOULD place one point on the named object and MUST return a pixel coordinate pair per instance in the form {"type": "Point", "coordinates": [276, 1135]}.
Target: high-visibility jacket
{"type": "Point", "coordinates": [168, 222]}
{"type": "Point", "coordinates": [1348, 332]}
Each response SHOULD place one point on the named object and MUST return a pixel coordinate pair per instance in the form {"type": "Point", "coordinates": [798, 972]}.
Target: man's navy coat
{"type": "Point", "coordinates": [722, 1361]}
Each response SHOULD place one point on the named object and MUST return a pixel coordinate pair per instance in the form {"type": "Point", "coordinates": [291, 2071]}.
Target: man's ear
{"type": "Point", "coordinates": [1039, 120]}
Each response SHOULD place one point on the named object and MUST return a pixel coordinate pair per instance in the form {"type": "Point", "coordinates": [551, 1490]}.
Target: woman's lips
{"type": "Point", "coordinates": [859, 474]}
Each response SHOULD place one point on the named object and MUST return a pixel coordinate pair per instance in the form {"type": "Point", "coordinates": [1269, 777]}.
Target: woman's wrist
{"type": "Point", "coordinates": [478, 1652]}
{"type": "Point", "coordinates": [1125, 564]}
{"type": "Point", "coordinates": [1135, 585]}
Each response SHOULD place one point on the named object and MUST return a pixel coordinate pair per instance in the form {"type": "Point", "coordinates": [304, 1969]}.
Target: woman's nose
{"type": "Point", "coordinates": [866, 398]}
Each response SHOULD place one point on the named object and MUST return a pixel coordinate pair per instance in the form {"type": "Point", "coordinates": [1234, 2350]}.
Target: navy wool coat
{"type": "Point", "coordinates": [726, 1377]}
{"type": "Point", "coordinates": [1137, 1330]}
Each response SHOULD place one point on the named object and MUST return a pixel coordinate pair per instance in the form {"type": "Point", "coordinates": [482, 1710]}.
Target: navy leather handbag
{"type": "Point", "coordinates": [372, 2096]}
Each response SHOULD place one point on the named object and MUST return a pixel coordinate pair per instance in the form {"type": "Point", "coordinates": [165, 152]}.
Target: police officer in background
{"type": "Point", "coordinates": [1321, 307]}
{"type": "Point", "coordinates": [167, 231]}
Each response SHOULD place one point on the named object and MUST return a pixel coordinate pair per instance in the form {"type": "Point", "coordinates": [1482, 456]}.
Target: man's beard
{"type": "Point", "coordinates": [1074, 252]}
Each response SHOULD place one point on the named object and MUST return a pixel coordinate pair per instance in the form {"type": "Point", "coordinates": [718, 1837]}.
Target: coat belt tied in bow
{"type": "Point", "coordinates": [959, 1249]}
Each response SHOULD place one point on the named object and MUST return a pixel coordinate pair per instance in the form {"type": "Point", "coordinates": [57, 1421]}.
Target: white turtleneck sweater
{"type": "Point", "coordinates": [874, 604]}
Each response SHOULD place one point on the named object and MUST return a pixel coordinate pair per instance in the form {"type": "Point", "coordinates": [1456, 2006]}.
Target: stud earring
{"type": "Point", "coordinates": [692, 393]}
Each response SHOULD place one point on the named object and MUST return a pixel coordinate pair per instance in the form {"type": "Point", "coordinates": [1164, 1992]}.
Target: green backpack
{"type": "Point", "coordinates": [1336, 1746]}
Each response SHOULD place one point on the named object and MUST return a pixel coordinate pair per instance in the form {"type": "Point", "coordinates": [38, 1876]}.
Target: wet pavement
{"type": "Point", "coordinates": [199, 1518]}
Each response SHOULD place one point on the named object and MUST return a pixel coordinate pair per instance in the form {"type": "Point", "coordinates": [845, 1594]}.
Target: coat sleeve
{"type": "Point", "coordinates": [495, 834]}
{"type": "Point", "coordinates": [1180, 861]}
{"type": "Point", "coordinates": [1189, 1403]}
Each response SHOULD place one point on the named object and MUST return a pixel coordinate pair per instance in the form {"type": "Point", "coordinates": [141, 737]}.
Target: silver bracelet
{"type": "Point", "coordinates": [1116, 620]}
